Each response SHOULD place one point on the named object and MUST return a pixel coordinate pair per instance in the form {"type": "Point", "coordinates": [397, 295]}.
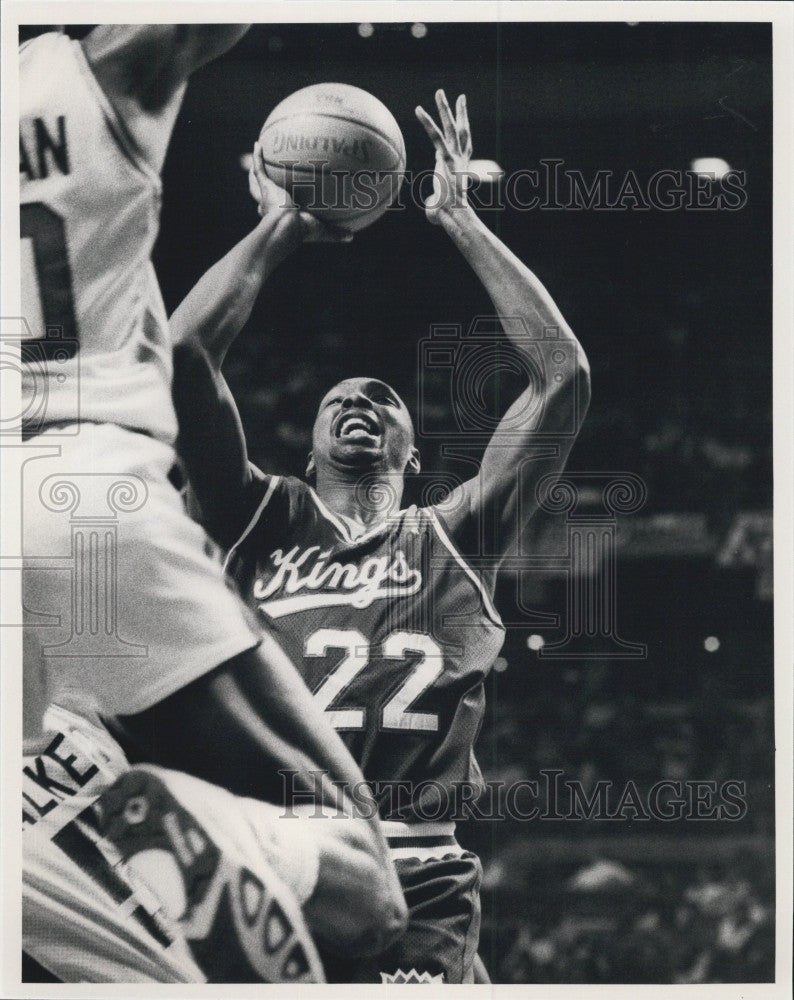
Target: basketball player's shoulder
{"type": "Point", "coordinates": [297, 488]}
{"type": "Point", "coordinates": [443, 535]}
{"type": "Point", "coordinates": [272, 502]}
{"type": "Point", "coordinates": [54, 63]}
{"type": "Point", "coordinates": [49, 65]}
{"type": "Point", "coordinates": [277, 489]}
{"type": "Point", "coordinates": [44, 46]}
{"type": "Point", "coordinates": [446, 550]}
{"type": "Point", "coordinates": [431, 519]}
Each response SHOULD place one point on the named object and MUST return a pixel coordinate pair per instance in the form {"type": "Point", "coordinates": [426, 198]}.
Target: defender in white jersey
{"type": "Point", "coordinates": [89, 217]}
{"type": "Point", "coordinates": [393, 629]}
{"type": "Point", "coordinates": [125, 603]}
{"type": "Point", "coordinates": [99, 356]}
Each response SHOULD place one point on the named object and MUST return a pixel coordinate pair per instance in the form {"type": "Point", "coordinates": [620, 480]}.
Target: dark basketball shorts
{"type": "Point", "coordinates": [441, 884]}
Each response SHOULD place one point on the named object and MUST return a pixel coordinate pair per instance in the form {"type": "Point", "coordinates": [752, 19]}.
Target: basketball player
{"type": "Point", "coordinates": [127, 611]}
{"type": "Point", "coordinates": [394, 630]}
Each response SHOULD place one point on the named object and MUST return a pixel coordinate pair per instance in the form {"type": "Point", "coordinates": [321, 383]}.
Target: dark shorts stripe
{"type": "Point", "coordinates": [422, 841]}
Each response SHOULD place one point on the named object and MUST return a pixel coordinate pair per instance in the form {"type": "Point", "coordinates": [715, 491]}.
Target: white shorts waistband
{"type": "Point", "coordinates": [394, 828]}
{"type": "Point", "coordinates": [421, 841]}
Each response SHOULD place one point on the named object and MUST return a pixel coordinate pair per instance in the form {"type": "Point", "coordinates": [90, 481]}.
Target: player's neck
{"type": "Point", "coordinates": [366, 501]}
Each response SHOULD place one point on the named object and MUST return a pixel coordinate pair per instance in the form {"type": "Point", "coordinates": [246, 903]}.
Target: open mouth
{"type": "Point", "coordinates": [357, 426]}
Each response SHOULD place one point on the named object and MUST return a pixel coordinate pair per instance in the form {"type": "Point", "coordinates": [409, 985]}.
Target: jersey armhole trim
{"type": "Point", "coordinates": [488, 604]}
{"type": "Point", "coordinates": [274, 481]}
{"type": "Point", "coordinates": [116, 124]}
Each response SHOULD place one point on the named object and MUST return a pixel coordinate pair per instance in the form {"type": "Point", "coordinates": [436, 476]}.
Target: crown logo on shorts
{"type": "Point", "coordinates": [413, 976]}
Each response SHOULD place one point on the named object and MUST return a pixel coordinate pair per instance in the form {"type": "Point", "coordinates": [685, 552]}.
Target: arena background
{"type": "Point", "coordinates": [674, 311]}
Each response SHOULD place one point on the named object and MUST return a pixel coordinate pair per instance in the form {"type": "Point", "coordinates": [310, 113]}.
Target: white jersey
{"type": "Point", "coordinates": [99, 352]}
{"type": "Point", "coordinates": [96, 342]}
{"type": "Point", "coordinates": [85, 917]}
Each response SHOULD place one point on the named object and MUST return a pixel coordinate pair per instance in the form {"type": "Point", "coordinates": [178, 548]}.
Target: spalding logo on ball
{"type": "Point", "coordinates": [338, 151]}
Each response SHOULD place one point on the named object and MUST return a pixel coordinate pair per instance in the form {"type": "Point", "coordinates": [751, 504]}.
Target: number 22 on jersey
{"type": "Point", "coordinates": [395, 714]}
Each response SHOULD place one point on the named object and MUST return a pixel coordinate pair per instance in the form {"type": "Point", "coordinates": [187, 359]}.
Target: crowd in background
{"type": "Point", "coordinates": [594, 900]}
{"type": "Point", "coordinates": [703, 459]}
{"type": "Point", "coordinates": [703, 924]}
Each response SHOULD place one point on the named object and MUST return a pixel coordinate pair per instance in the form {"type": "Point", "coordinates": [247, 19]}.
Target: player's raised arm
{"type": "Point", "coordinates": [218, 307]}
{"type": "Point", "coordinates": [203, 327]}
{"type": "Point", "coordinates": [143, 68]}
{"type": "Point", "coordinates": [516, 457]}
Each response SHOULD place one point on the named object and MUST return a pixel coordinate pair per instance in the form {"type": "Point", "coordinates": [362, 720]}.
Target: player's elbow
{"type": "Point", "coordinates": [195, 367]}
{"type": "Point", "coordinates": [576, 387]}
{"type": "Point", "coordinates": [583, 385]}
{"type": "Point", "coordinates": [202, 43]}
{"type": "Point", "coordinates": [568, 396]}
{"type": "Point", "coordinates": [171, 52]}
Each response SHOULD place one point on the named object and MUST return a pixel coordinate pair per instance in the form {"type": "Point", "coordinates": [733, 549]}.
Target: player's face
{"type": "Point", "coordinates": [362, 424]}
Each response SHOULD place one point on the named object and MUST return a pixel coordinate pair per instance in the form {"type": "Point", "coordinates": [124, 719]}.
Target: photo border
{"type": "Point", "coordinates": [16, 12]}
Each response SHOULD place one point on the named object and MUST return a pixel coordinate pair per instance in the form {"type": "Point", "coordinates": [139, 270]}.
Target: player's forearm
{"type": "Point", "coordinates": [294, 713]}
{"type": "Point", "coordinates": [504, 489]}
{"type": "Point", "coordinates": [218, 307]}
{"type": "Point", "coordinates": [296, 716]}
{"type": "Point", "coordinates": [204, 42]}
{"type": "Point", "coordinates": [517, 294]}
{"type": "Point", "coordinates": [149, 62]}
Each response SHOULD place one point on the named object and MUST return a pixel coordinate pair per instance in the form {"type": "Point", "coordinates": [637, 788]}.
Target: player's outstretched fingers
{"type": "Point", "coordinates": [433, 131]}
{"type": "Point", "coordinates": [447, 121]}
{"type": "Point", "coordinates": [463, 127]}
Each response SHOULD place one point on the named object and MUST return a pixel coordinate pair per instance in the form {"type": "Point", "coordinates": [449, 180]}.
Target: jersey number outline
{"type": "Point", "coordinates": [84, 852]}
{"type": "Point", "coordinates": [395, 714]}
{"type": "Point", "coordinates": [47, 232]}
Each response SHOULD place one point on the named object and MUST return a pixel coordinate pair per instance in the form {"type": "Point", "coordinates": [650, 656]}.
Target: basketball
{"type": "Point", "coordinates": [338, 151]}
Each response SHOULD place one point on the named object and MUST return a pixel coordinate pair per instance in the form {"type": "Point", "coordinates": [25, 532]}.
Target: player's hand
{"type": "Point", "coordinates": [271, 198]}
{"type": "Point", "coordinates": [452, 143]}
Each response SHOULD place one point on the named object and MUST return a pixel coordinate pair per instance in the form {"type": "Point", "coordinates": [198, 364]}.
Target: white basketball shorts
{"type": "Point", "coordinates": [124, 598]}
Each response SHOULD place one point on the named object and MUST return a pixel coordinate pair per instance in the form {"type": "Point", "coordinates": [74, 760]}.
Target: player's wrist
{"type": "Point", "coordinates": [460, 222]}
{"type": "Point", "coordinates": [282, 226]}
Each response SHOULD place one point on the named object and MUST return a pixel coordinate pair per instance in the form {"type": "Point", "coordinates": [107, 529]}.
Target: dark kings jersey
{"type": "Point", "coordinates": [394, 634]}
